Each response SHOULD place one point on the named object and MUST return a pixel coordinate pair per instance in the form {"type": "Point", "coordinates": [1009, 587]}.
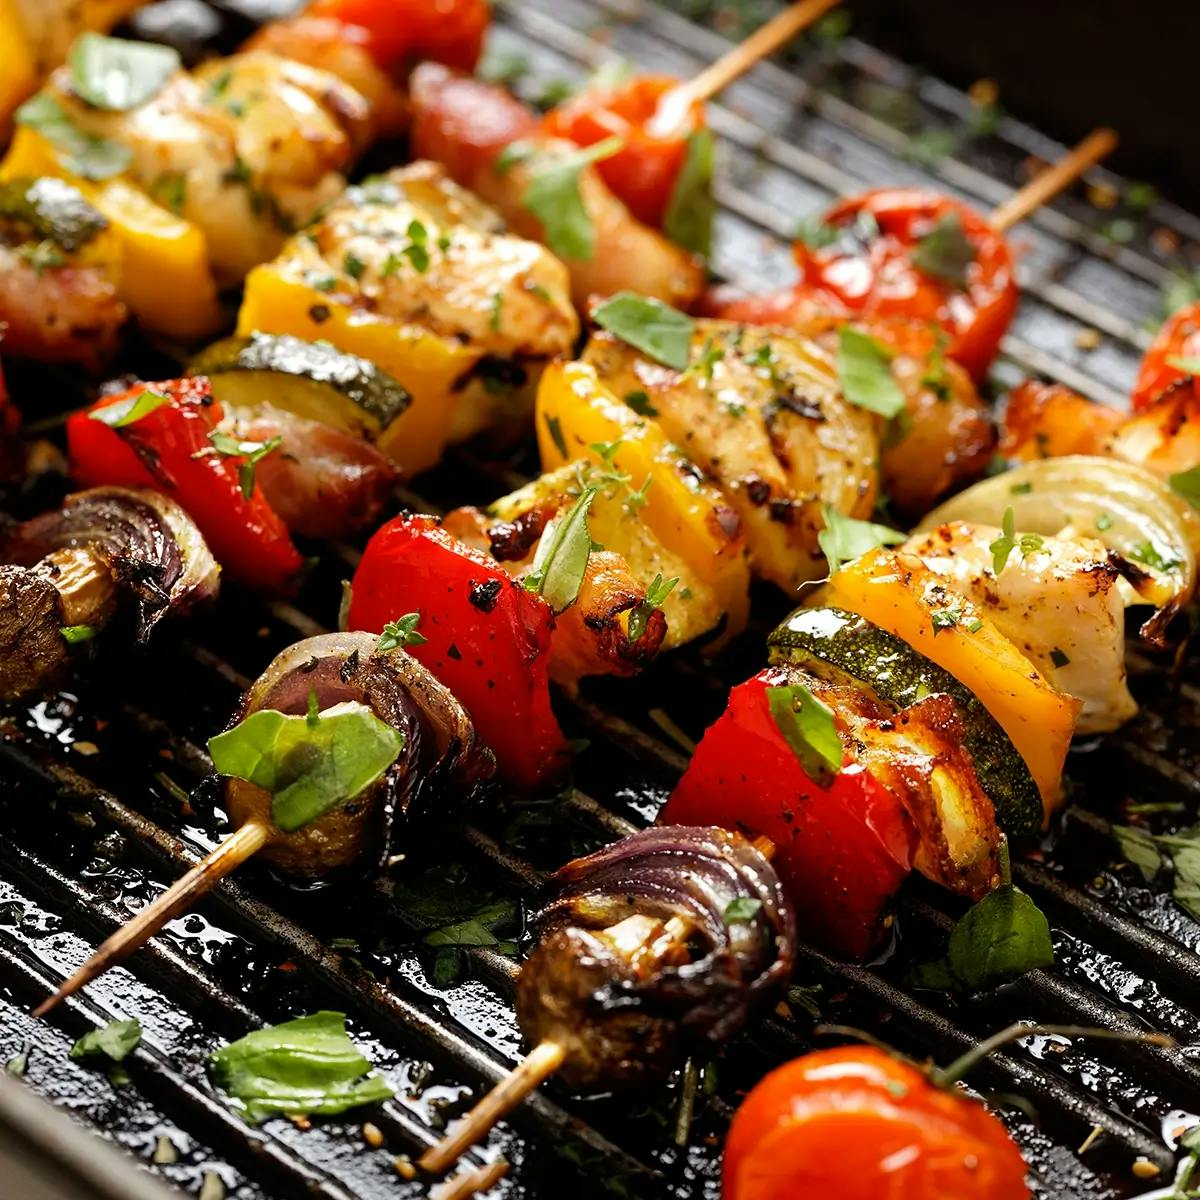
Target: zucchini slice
{"type": "Point", "coordinates": [901, 675]}
{"type": "Point", "coordinates": [51, 209]}
{"type": "Point", "coordinates": [311, 379]}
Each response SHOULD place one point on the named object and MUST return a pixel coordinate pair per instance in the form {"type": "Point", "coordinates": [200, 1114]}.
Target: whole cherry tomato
{"type": "Point", "coordinates": [644, 171]}
{"type": "Point", "coordinates": [900, 253]}
{"type": "Point", "coordinates": [1179, 337]}
{"type": "Point", "coordinates": [402, 32]}
{"type": "Point", "coordinates": [841, 851]}
{"type": "Point", "coordinates": [856, 1123]}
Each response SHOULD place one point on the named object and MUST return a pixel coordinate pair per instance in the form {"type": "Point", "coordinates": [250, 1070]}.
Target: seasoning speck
{"type": "Point", "coordinates": [165, 1152]}
{"type": "Point", "coordinates": [212, 1188]}
{"type": "Point", "coordinates": [404, 1167]}
{"type": "Point", "coordinates": [87, 749]}
{"type": "Point", "coordinates": [1143, 1168]}
{"type": "Point", "coordinates": [372, 1135]}
{"type": "Point", "coordinates": [1088, 339]}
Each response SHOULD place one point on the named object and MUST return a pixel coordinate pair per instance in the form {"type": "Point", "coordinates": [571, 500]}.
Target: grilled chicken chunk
{"type": "Point", "coordinates": [248, 148]}
{"type": "Point", "coordinates": [1059, 603]}
{"type": "Point", "coordinates": [466, 124]}
{"type": "Point", "coordinates": [760, 412]}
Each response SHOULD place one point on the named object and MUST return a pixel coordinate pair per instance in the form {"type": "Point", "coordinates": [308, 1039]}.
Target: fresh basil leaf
{"type": "Point", "coordinates": [744, 908]}
{"type": "Point", "coordinates": [402, 633]}
{"type": "Point", "coordinates": [1001, 937]}
{"type": "Point", "coordinates": [126, 412]}
{"type": "Point", "coordinates": [648, 325]}
{"type": "Point", "coordinates": [1187, 484]}
{"type": "Point", "coordinates": [688, 220]}
{"type": "Point", "coordinates": [553, 195]}
{"type": "Point", "coordinates": [308, 1066]}
{"type": "Point", "coordinates": [562, 556]}
{"type": "Point", "coordinates": [844, 538]}
{"type": "Point", "coordinates": [1140, 848]}
{"type": "Point", "coordinates": [119, 75]}
{"type": "Point", "coordinates": [308, 767]}
{"type": "Point", "coordinates": [806, 724]}
{"type": "Point", "coordinates": [113, 1041]}
{"type": "Point", "coordinates": [865, 372]}
{"type": "Point", "coordinates": [945, 252]}
{"type": "Point", "coordinates": [479, 929]}
{"type": "Point", "coordinates": [82, 154]}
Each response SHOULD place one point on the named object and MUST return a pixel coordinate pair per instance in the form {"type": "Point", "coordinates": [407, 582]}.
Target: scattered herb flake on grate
{"type": "Point", "coordinates": [112, 1041]}
{"type": "Point", "coordinates": [648, 325]}
{"type": "Point", "coordinates": [308, 1066]}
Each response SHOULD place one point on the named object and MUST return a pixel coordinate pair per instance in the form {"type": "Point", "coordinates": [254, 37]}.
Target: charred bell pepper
{"type": "Point", "coordinates": [842, 846]}
{"type": "Point", "coordinates": [486, 638]}
{"type": "Point", "coordinates": [1178, 339]}
{"type": "Point", "coordinates": [579, 416]}
{"type": "Point", "coordinates": [157, 435]}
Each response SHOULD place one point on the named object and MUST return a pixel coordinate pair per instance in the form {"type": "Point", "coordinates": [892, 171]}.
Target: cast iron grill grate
{"type": "Point", "coordinates": [93, 822]}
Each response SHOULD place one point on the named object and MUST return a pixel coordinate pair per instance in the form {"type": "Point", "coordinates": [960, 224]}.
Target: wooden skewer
{"type": "Point", "coordinates": [1097, 145]}
{"type": "Point", "coordinates": [777, 32]}
{"type": "Point", "coordinates": [470, 1183]}
{"type": "Point", "coordinates": [209, 871]}
{"type": "Point", "coordinates": [534, 1069]}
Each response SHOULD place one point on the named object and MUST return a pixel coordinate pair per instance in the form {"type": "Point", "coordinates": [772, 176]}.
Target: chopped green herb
{"type": "Point", "coordinates": [170, 190]}
{"type": "Point", "coordinates": [1006, 543]}
{"type": "Point", "coordinates": [844, 538]}
{"type": "Point", "coordinates": [119, 75]}
{"type": "Point", "coordinates": [688, 220]}
{"type": "Point", "coordinates": [1030, 543]}
{"type": "Point", "coordinates": [497, 308]}
{"type": "Point", "coordinates": [126, 412]}
{"type": "Point", "coordinates": [112, 1041]}
{"type": "Point", "coordinates": [74, 634]}
{"type": "Point", "coordinates": [703, 365]}
{"type": "Point", "coordinates": [806, 724]}
{"type": "Point", "coordinates": [41, 256]}
{"type": "Point", "coordinates": [865, 372]}
{"type": "Point", "coordinates": [972, 624]}
{"type": "Point", "coordinates": [81, 153]}
{"type": "Point", "coordinates": [813, 231]}
{"type": "Point", "coordinates": [344, 606]}
{"type": "Point", "coordinates": [639, 401]}
{"type": "Point", "coordinates": [353, 266]}
{"type": "Point", "coordinates": [656, 329]}
{"type": "Point", "coordinates": [553, 195]}
{"type": "Point", "coordinates": [306, 1066]}
{"type": "Point", "coordinates": [503, 66]}
{"type": "Point", "coordinates": [512, 155]}
{"type": "Point", "coordinates": [744, 908]}
{"type": "Point", "coordinates": [554, 425]}
{"type": "Point", "coordinates": [562, 556]}
{"type": "Point", "coordinates": [1021, 489]}
{"type": "Point", "coordinates": [1185, 484]}
{"type": "Point", "coordinates": [402, 632]}
{"type": "Point", "coordinates": [1147, 554]}
{"type": "Point", "coordinates": [252, 453]}
{"type": "Point", "coordinates": [656, 594]}
{"type": "Point", "coordinates": [944, 618]}
{"type": "Point", "coordinates": [307, 765]}
{"type": "Point", "coordinates": [1104, 521]}
{"type": "Point", "coordinates": [945, 252]}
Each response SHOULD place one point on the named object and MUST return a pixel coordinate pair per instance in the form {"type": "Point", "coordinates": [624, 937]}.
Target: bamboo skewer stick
{"type": "Point", "coordinates": [533, 1070]}
{"type": "Point", "coordinates": [1097, 145]}
{"type": "Point", "coordinates": [209, 871]}
{"type": "Point", "coordinates": [471, 1182]}
{"type": "Point", "coordinates": [762, 43]}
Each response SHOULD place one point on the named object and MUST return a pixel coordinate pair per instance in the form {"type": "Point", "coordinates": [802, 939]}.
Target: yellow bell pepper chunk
{"type": "Point", "coordinates": [18, 77]}
{"type": "Point", "coordinates": [897, 592]}
{"type": "Point", "coordinates": [280, 301]}
{"type": "Point", "coordinates": [690, 517]}
{"type": "Point", "coordinates": [165, 279]}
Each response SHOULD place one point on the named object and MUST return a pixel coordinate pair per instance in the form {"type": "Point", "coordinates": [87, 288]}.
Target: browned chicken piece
{"type": "Point", "coordinates": [760, 412]}
{"type": "Point", "coordinates": [1164, 437]}
{"type": "Point", "coordinates": [1047, 420]}
{"type": "Point", "coordinates": [467, 124]}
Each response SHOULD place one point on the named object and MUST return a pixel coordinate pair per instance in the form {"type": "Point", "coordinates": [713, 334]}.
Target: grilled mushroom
{"type": "Point", "coordinates": [68, 573]}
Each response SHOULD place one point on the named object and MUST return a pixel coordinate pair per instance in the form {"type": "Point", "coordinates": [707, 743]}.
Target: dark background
{"type": "Point", "coordinates": [1067, 66]}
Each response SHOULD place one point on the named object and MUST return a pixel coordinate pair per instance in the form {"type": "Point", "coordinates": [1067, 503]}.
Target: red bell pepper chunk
{"type": "Point", "coordinates": [487, 638]}
{"type": "Point", "coordinates": [169, 449]}
{"type": "Point", "coordinates": [840, 851]}
{"type": "Point", "coordinates": [1179, 338]}
{"type": "Point", "coordinates": [402, 32]}
{"type": "Point", "coordinates": [643, 173]}
{"type": "Point", "coordinates": [874, 274]}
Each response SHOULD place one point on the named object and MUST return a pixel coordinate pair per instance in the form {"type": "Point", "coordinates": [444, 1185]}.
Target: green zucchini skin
{"type": "Point", "coordinates": [901, 676]}
{"type": "Point", "coordinates": [379, 397]}
{"type": "Point", "coordinates": [50, 209]}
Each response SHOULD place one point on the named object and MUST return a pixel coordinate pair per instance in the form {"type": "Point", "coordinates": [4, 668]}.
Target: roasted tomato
{"type": "Point", "coordinates": [486, 638]}
{"type": "Point", "coordinates": [857, 1124]}
{"type": "Point", "coordinates": [169, 449]}
{"type": "Point", "coordinates": [402, 32]}
{"type": "Point", "coordinates": [880, 265]}
{"type": "Point", "coordinates": [1179, 337]}
{"type": "Point", "coordinates": [644, 171]}
{"type": "Point", "coordinates": [841, 851]}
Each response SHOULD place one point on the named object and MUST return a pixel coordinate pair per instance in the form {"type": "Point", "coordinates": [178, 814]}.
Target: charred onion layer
{"type": "Point", "coordinates": [641, 953]}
